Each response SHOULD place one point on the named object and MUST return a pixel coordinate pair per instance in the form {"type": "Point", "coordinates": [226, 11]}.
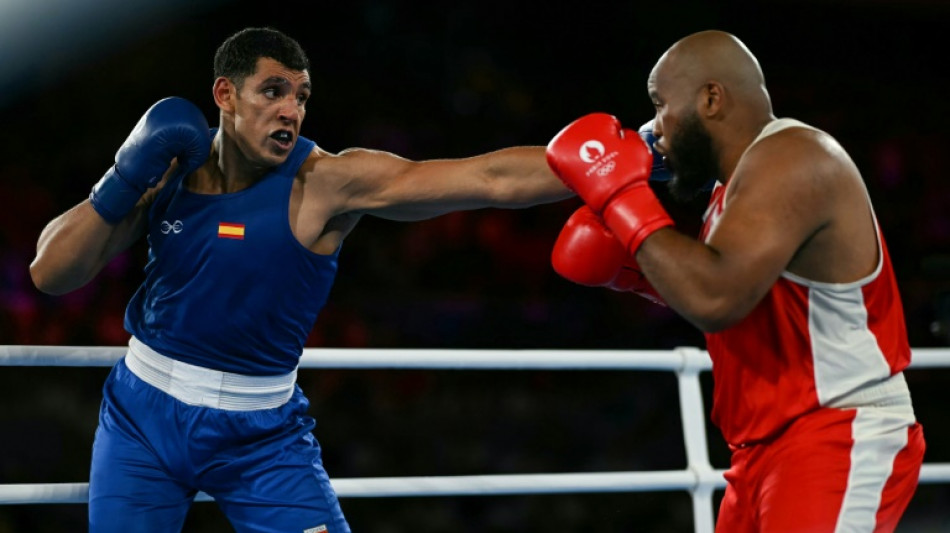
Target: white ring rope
{"type": "Point", "coordinates": [371, 487]}
{"type": "Point", "coordinates": [699, 478]}
{"type": "Point", "coordinates": [84, 356]}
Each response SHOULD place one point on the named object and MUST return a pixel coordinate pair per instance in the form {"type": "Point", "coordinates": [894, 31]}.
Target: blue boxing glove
{"type": "Point", "coordinates": [171, 128]}
{"type": "Point", "coordinates": [659, 171]}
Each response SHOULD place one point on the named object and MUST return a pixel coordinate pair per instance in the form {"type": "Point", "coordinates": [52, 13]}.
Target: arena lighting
{"type": "Point", "coordinates": [40, 40]}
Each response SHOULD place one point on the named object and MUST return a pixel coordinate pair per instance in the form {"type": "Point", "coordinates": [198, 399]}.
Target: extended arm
{"type": "Point", "coordinates": [388, 186]}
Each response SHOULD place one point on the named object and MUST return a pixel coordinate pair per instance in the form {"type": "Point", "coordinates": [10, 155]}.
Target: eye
{"type": "Point", "coordinates": [270, 93]}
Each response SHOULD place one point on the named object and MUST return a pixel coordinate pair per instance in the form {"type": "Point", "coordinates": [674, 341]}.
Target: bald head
{"type": "Point", "coordinates": [711, 103]}
{"type": "Point", "coordinates": [712, 56]}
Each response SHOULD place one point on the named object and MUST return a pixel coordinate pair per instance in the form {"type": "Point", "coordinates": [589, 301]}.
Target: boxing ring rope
{"type": "Point", "coordinates": [699, 477]}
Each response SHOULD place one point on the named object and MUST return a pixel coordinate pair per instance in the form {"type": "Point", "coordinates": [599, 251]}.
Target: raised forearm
{"type": "Point", "coordinates": [75, 246]}
{"type": "Point", "coordinates": [708, 289]}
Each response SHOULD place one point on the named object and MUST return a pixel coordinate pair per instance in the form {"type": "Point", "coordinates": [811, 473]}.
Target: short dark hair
{"type": "Point", "coordinates": [236, 58]}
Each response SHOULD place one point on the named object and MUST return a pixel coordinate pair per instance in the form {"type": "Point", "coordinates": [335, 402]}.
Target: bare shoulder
{"type": "Point", "coordinates": [339, 183]}
{"type": "Point", "coordinates": [317, 157]}
{"type": "Point", "coordinates": [353, 166]}
{"type": "Point", "coordinates": [797, 160]}
{"type": "Point", "coordinates": [321, 169]}
{"type": "Point", "coordinates": [354, 161]}
{"type": "Point", "coordinates": [825, 198]}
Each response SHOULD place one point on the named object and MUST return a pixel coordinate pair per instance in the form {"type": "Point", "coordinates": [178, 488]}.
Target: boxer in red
{"type": "Point", "coordinates": [790, 281]}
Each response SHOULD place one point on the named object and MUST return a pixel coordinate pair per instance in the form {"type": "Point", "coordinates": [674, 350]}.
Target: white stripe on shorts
{"type": "Point", "coordinates": [879, 434]}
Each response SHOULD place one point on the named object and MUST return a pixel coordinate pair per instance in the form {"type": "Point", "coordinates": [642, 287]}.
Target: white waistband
{"type": "Point", "coordinates": [890, 394]}
{"type": "Point", "coordinates": [195, 385]}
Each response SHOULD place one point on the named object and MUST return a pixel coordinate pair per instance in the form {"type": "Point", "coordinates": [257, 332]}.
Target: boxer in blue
{"type": "Point", "coordinates": [244, 224]}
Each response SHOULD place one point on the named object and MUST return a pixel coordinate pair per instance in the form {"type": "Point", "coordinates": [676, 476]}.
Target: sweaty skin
{"type": "Point", "coordinates": [795, 201]}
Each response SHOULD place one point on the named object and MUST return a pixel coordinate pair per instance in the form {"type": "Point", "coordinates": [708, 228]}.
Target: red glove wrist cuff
{"type": "Point", "coordinates": [634, 215]}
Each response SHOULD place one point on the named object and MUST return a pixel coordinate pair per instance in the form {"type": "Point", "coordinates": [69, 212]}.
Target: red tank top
{"type": "Point", "coordinates": [806, 345]}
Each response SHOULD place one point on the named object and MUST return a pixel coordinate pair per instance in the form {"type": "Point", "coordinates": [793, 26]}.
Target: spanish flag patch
{"type": "Point", "coordinates": [228, 230]}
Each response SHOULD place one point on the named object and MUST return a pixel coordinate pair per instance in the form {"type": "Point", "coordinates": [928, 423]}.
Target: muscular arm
{"type": "Point", "coordinates": [76, 245]}
{"type": "Point", "coordinates": [387, 186]}
{"type": "Point", "coordinates": [785, 192]}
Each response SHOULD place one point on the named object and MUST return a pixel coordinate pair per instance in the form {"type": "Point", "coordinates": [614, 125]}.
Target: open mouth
{"type": "Point", "coordinates": [283, 137]}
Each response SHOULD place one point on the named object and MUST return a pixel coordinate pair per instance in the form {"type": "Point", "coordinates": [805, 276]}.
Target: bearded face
{"type": "Point", "coordinates": [691, 158]}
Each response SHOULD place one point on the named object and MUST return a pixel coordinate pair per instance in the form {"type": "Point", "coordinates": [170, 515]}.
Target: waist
{"type": "Point", "coordinates": [199, 386]}
{"type": "Point", "coordinates": [891, 394]}
{"type": "Point", "coordinates": [888, 399]}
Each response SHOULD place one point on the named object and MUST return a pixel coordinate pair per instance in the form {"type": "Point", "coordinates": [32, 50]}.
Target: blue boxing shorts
{"type": "Point", "coordinates": [168, 430]}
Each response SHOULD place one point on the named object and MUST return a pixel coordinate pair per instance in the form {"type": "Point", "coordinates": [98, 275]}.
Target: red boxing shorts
{"type": "Point", "coordinates": [830, 470]}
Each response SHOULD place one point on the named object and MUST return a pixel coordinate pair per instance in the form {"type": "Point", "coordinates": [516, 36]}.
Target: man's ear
{"type": "Point", "coordinates": [712, 99]}
{"type": "Point", "coordinates": [224, 92]}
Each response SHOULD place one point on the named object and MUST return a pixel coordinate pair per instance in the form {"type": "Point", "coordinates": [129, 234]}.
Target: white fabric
{"type": "Point", "coordinates": [195, 385]}
{"type": "Point", "coordinates": [879, 435]}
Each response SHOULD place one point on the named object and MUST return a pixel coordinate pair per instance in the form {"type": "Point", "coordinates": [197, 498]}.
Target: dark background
{"type": "Point", "coordinates": [433, 80]}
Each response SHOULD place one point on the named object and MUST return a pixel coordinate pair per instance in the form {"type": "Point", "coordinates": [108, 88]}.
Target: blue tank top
{"type": "Point", "coordinates": [227, 285]}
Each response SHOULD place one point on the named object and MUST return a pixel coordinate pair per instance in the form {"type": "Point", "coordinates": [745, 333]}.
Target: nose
{"type": "Point", "coordinates": [657, 137]}
{"type": "Point", "coordinates": [289, 110]}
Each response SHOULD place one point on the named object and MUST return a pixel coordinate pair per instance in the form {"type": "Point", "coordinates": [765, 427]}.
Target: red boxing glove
{"type": "Point", "coordinates": [608, 167]}
{"type": "Point", "coordinates": [587, 253]}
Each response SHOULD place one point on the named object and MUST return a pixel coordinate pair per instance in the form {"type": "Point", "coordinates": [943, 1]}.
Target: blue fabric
{"type": "Point", "coordinates": [152, 453]}
{"type": "Point", "coordinates": [239, 305]}
{"type": "Point", "coordinates": [243, 305]}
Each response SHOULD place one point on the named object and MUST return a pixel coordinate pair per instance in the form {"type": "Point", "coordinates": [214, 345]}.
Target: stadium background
{"type": "Point", "coordinates": [453, 79]}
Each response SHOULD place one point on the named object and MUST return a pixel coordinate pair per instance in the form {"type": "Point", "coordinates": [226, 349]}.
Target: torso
{"type": "Point", "coordinates": [314, 214]}
{"type": "Point", "coordinates": [830, 327]}
{"type": "Point", "coordinates": [235, 288]}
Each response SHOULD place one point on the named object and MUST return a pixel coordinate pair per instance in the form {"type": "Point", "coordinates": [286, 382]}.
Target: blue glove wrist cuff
{"type": "Point", "coordinates": [113, 197]}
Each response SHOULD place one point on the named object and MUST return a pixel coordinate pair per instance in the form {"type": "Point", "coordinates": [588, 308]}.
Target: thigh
{"type": "Point", "coordinates": [275, 481]}
{"type": "Point", "coordinates": [735, 515]}
{"type": "Point", "coordinates": [902, 483]}
{"type": "Point", "coordinates": [737, 511]}
{"type": "Point", "coordinates": [829, 471]}
{"type": "Point", "coordinates": [129, 490]}
{"type": "Point", "coordinates": [288, 497]}
{"type": "Point", "coordinates": [805, 476]}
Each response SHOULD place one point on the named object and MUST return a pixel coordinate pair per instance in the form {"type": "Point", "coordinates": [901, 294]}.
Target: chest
{"type": "Point", "coordinates": [223, 229]}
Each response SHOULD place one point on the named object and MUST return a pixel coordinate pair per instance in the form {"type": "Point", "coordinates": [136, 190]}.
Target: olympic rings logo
{"type": "Point", "coordinates": [174, 227]}
{"type": "Point", "coordinates": [607, 168]}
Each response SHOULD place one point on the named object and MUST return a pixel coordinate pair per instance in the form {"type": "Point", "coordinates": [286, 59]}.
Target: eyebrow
{"type": "Point", "coordinates": [280, 80]}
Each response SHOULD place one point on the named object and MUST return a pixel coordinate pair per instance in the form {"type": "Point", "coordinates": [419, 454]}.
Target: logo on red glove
{"type": "Point", "coordinates": [607, 168]}
{"type": "Point", "coordinates": [591, 151]}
